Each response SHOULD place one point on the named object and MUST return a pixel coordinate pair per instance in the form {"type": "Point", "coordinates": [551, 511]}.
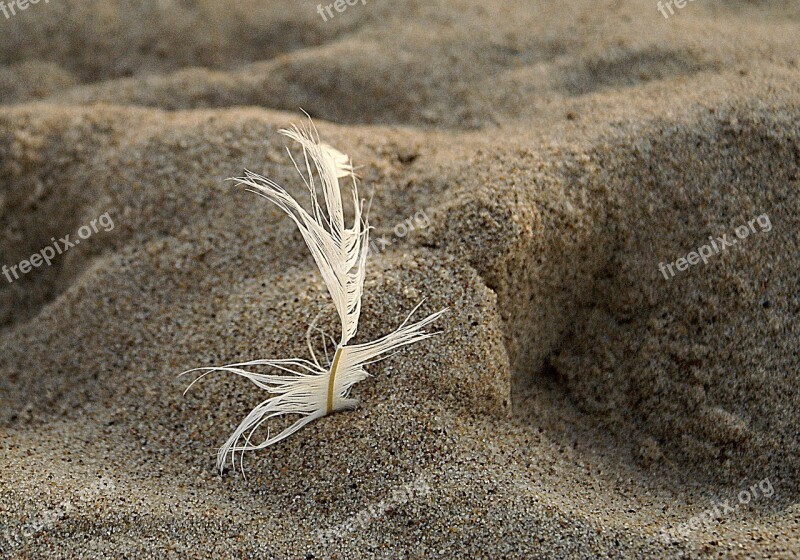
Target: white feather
{"type": "Point", "coordinates": [306, 388]}
{"type": "Point", "coordinates": [340, 253]}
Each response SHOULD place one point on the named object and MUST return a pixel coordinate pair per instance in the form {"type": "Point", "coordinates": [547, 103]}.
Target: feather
{"type": "Point", "coordinates": [340, 253]}
{"type": "Point", "coordinates": [303, 388]}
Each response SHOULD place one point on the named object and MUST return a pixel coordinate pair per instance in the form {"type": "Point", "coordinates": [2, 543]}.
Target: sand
{"type": "Point", "coordinates": [579, 403]}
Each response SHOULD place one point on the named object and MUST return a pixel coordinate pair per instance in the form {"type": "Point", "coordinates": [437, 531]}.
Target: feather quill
{"type": "Point", "coordinates": [306, 388]}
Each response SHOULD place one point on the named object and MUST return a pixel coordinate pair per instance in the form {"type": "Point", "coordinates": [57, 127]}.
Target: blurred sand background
{"type": "Point", "coordinates": [577, 405]}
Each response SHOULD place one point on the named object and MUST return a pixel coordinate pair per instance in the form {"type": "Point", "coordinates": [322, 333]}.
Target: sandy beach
{"type": "Point", "coordinates": [605, 194]}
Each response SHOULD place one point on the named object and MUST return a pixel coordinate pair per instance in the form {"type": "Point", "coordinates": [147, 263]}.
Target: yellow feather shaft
{"type": "Point", "coordinates": [332, 378]}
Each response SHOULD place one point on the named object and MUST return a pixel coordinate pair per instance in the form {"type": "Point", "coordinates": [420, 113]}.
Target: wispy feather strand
{"type": "Point", "coordinates": [307, 388]}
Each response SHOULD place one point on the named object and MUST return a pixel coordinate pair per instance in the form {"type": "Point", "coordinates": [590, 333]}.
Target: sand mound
{"type": "Point", "coordinates": [533, 169]}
